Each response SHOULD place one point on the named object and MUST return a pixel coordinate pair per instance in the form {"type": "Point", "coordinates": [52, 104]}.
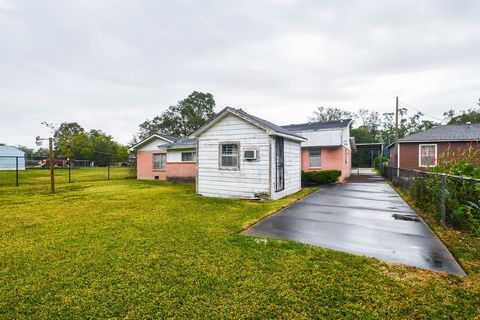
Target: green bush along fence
{"type": "Point", "coordinates": [454, 200]}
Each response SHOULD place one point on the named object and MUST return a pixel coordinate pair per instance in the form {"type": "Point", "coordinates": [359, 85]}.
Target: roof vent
{"type": "Point", "coordinates": [469, 123]}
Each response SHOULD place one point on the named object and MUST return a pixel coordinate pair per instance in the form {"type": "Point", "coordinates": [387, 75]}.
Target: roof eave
{"type": "Point", "coordinates": [135, 147]}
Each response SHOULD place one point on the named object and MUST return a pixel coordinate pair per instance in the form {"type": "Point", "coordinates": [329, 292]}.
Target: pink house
{"type": "Point", "coordinates": [328, 146]}
{"type": "Point", "coordinates": [165, 157]}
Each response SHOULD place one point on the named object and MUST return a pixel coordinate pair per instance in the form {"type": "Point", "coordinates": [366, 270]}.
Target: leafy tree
{"type": "Point", "coordinates": [104, 149]}
{"type": "Point", "coordinates": [71, 141]}
{"type": "Point", "coordinates": [330, 114]}
{"type": "Point", "coordinates": [28, 151]}
{"type": "Point", "coordinates": [40, 152]}
{"type": "Point", "coordinates": [183, 118]}
{"type": "Point", "coordinates": [470, 115]}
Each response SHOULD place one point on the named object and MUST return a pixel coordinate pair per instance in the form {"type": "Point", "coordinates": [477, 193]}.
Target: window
{"type": "Point", "coordinates": [159, 160]}
{"type": "Point", "coordinates": [315, 158]}
{"type": "Point", "coordinates": [279, 164]}
{"type": "Point", "coordinates": [229, 155]}
{"type": "Point", "coordinates": [427, 155]}
{"type": "Point", "coordinates": [188, 156]}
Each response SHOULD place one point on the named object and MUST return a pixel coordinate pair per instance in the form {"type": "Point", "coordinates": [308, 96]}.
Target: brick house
{"type": "Point", "coordinates": [328, 146]}
{"type": "Point", "coordinates": [428, 148]}
{"type": "Point", "coordinates": [166, 157]}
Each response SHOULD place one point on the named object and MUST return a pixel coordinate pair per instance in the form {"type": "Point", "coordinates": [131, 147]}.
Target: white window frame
{"type": "Point", "coordinates": [194, 156]}
{"type": "Point", "coordinates": [320, 158]}
{"type": "Point", "coordinates": [164, 163]}
{"type": "Point", "coordinates": [420, 165]}
{"type": "Point", "coordinates": [220, 155]}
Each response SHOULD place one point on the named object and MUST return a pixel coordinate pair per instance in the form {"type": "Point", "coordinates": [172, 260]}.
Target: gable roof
{"type": "Point", "coordinates": [445, 133]}
{"type": "Point", "coordinates": [313, 126]}
{"type": "Point", "coordinates": [457, 132]}
{"type": "Point", "coordinates": [11, 151]}
{"type": "Point", "coordinates": [271, 128]}
{"type": "Point", "coordinates": [185, 142]}
{"type": "Point", "coordinates": [168, 138]}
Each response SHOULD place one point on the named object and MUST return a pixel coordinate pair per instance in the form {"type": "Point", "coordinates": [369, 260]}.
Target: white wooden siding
{"type": "Point", "coordinates": [327, 137]}
{"type": "Point", "coordinates": [292, 163]}
{"type": "Point", "coordinates": [153, 145]}
{"type": "Point", "coordinates": [252, 176]}
{"type": "Point", "coordinates": [175, 155]}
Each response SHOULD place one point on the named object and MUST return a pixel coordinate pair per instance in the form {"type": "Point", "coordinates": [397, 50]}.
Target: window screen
{"type": "Point", "coordinates": [229, 155]}
{"type": "Point", "coordinates": [315, 158]}
{"type": "Point", "coordinates": [159, 160]}
{"type": "Point", "coordinates": [428, 155]}
{"type": "Point", "coordinates": [188, 156]}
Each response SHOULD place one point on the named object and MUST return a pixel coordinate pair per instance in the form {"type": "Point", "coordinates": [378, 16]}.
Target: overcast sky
{"type": "Point", "coordinates": [112, 64]}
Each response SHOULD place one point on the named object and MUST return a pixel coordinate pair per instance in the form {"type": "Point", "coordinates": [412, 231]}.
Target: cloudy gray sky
{"type": "Point", "coordinates": [112, 64]}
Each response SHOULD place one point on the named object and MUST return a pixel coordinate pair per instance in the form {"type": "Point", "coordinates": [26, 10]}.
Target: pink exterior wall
{"type": "Point", "coordinates": [331, 159]}
{"type": "Point", "coordinates": [181, 169]}
{"type": "Point", "coordinates": [172, 169]}
{"type": "Point", "coordinates": [145, 166]}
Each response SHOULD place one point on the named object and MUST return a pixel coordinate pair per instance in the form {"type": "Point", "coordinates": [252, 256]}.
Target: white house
{"type": "Point", "coordinates": [242, 156]}
{"type": "Point", "coordinates": [9, 157]}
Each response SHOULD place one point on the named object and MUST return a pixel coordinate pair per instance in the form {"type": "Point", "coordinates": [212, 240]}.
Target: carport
{"type": "Point", "coordinates": [364, 216]}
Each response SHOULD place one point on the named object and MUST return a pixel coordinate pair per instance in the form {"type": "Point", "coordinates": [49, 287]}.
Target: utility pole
{"type": "Point", "coordinates": [396, 120]}
{"type": "Point", "coordinates": [52, 159]}
{"type": "Point", "coordinates": [52, 165]}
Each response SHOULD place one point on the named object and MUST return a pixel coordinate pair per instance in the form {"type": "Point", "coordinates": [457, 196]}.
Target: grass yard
{"type": "Point", "coordinates": [149, 249]}
{"type": "Point", "coordinates": [42, 176]}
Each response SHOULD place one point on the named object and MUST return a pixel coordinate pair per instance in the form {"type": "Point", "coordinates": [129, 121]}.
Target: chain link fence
{"type": "Point", "coordinates": [20, 171]}
{"type": "Point", "coordinates": [454, 200]}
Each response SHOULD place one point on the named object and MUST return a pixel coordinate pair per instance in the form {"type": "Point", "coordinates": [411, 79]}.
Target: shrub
{"type": "Point", "coordinates": [320, 177]}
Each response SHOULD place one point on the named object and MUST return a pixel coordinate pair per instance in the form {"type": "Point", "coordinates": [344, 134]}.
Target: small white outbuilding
{"type": "Point", "coordinates": [243, 156]}
{"type": "Point", "coordinates": [9, 157]}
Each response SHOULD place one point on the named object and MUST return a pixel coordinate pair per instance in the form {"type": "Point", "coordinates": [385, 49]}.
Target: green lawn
{"type": "Point", "coordinates": [149, 249]}
{"type": "Point", "coordinates": [42, 176]}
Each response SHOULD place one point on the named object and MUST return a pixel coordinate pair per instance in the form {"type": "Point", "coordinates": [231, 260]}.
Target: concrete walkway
{"type": "Point", "coordinates": [366, 217]}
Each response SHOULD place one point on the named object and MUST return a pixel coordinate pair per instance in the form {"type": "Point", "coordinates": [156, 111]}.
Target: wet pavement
{"type": "Point", "coordinates": [364, 216]}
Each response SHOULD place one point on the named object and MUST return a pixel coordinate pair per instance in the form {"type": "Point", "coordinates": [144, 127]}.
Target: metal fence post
{"type": "Point", "coordinates": [442, 199]}
{"type": "Point", "coordinates": [108, 168]}
{"type": "Point", "coordinates": [69, 170]}
{"type": "Point", "coordinates": [16, 171]}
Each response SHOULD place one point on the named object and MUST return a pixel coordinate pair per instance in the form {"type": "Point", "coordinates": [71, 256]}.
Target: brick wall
{"type": "Point", "coordinates": [145, 166]}
{"type": "Point", "coordinates": [181, 169]}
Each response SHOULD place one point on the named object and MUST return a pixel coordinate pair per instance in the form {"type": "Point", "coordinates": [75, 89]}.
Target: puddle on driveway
{"type": "Point", "coordinates": [406, 217]}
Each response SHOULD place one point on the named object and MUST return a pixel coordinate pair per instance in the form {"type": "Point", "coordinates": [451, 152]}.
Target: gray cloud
{"type": "Point", "coordinates": [113, 64]}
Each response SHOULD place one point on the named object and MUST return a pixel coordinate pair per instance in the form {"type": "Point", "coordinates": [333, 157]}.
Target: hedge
{"type": "Point", "coordinates": [320, 177]}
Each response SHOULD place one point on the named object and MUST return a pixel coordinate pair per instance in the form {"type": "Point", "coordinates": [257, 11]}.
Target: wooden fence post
{"type": "Point", "coordinates": [442, 199]}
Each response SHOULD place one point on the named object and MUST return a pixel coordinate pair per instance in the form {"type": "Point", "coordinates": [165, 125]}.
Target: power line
{"type": "Point", "coordinates": [425, 114]}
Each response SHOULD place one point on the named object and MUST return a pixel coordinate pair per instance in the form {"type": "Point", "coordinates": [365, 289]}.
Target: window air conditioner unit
{"type": "Point", "coordinates": [250, 154]}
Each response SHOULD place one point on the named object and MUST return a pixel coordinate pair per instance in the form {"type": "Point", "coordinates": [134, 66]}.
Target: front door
{"type": "Point", "coordinates": [279, 164]}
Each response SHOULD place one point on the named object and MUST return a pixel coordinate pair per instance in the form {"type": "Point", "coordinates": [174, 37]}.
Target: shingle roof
{"type": "Point", "coordinates": [268, 124]}
{"type": "Point", "coordinates": [259, 121]}
{"type": "Point", "coordinates": [169, 137]}
{"type": "Point", "coordinates": [312, 126]}
{"type": "Point", "coordinates": [183, 143]}
{"type": "Point", "coordinates": [155, 135]}
{"type": "Point", "coordinates": [457, 132]}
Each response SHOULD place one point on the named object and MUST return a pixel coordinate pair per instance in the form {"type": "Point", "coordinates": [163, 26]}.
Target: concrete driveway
{"type": "Point", "coordinates": [366, 217]}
